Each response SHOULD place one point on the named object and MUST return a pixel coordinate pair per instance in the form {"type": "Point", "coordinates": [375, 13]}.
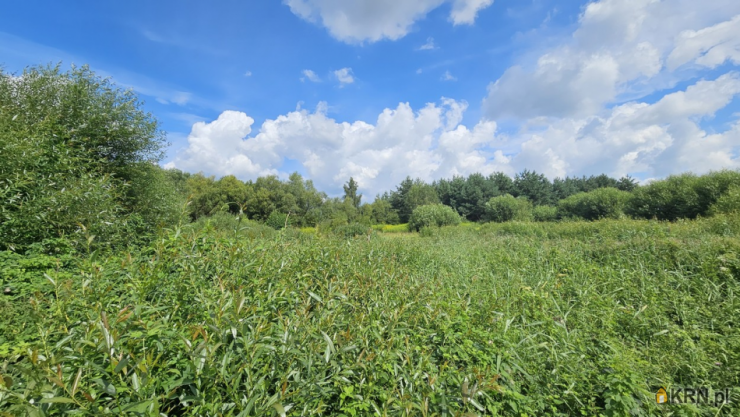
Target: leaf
{"type": "Point", "coordinates": [8, 381]}
{"type": "Point", "coordinates": [279, 408]}
{"type": "Point", "coordinates": [76, 383]}
{"type": "Point", "coordinates": [122, 364]}
{"type": "Point", "coordinates": [138, 407]}
{"type": "Point", "coordinates": [57, 400]}
{"type": "Point", "coordinates": [105, 385]}
{"type": "Point", "coordinates": [315, 297]}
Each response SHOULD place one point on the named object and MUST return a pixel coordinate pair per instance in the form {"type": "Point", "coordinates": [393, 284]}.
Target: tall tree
{"type": "Point", "coordinates": [536, 187]}
{"type": "Point", "coordinates": [350, 193]}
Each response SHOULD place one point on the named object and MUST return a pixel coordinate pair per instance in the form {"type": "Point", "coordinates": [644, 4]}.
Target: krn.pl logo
{"type": "Point", "coordinates": [661, 396]}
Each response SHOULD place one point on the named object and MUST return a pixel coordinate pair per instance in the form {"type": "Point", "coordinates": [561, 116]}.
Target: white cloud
{"type": "Point", "coordinates": [344, 76]}
{"type": "Point", "coordinates": [448, 77]}
{"type": "Point", "coordinates": [372, 20]}
{"type": "Point", "coordinates": [660, 138]}
{"type": "Point", "coordinates": [248, 74]}
{"type": "Point", "coordinates": [619, 47]}
{"type": "Point", "coordinates": [431, 143]}
{"type": "Point", "coordinates": [465, 11]}
{"type": "Point", "coordinates": [428, 143]}
{"type": "Point", "coordinates": [708, 47]}
{"type": "Point", "coordinates": [180, 98]}
{"type": "Point", "coordinates": [310, 76]}
{"type": "Point", "coordinates": [428, 46]}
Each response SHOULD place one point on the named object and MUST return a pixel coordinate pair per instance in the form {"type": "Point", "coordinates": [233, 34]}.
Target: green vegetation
{"type": "Point", "coordinates": [511, 319]}
{"type": "Point", "coordinates": [433, 215]}
{"type": "Point", "coordinates": [602, 203]}
{"type": "Point", "coordinates": [128, 289]}
{"type": "Point", "coordinates": [508, 208]}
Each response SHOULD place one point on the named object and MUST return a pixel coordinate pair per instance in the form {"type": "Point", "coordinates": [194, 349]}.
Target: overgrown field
{"type": "Point", "coordinates": [507, 319]}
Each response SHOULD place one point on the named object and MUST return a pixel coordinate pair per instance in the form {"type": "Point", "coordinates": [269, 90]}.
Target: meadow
{"type": "Point", "coordinates": [514, 319]}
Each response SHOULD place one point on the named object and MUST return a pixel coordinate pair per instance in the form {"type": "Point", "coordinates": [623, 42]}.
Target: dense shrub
{"type": "Point", "coordinates": [602, 203]}
{"type": "Point", "coordinates": [729, 202]}
{"type": "Point", "coordinates": [507, 208]}
{"type": "Point", "coordinates": [683, 196]}
{"type": "Point", "coordinates": [78, 158]}
{"type": "Point", "coordinates": [433, 215]}
{"type": "Point", "coordinates": [545, 213]}
{"type": "Point", "coordinates": [713, 186]}
{"type": "Point", "coordinates": [278, 220]}
{"type": "Point", "coordinates": [352, 230]}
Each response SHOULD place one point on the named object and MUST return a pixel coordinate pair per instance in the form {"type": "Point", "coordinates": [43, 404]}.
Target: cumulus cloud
{"type": "Point", "coordinates": [372, 20]}
{"type": "Point", "coordinates": [344, 76]}
{"type": "Point", "coordinates": [660, 138]}
{"type": "Point", "coordinates": [427, 143]}
{"type": "Point", "coordinates": [652, 139]}
{"type": "Point", "coordinates": [310, 76]}
{"type": "Point", "coordinates": [619, 46]}
{"type": "Point", "coordinates": [570, 103]}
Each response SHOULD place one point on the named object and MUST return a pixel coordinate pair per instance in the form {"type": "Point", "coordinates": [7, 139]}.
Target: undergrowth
{"type": "Point", "coordinates": [516, 319]}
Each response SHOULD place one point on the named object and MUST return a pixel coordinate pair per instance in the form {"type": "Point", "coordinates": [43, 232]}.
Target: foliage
{"type": "Point", "coordinates": [508, 208]}
{"type": "Point", "coordinates": [77, 159]}
{"type": "Point", "coordinates": [535, 187]}
{"type": "Point", "coordinates": [728, 202]}
{"type": "Point", "coordinates": [433, 215]}
{"type": "Point", "coordinates": [684, 196]}
{"type": "Point", "coordinates": [350, 193]}
{"type": "Point", "coordinates": [468, 196]}
{"type": "Point", "coordinates": [601, 203]}
{"type": "Point", "coordinates": [277, 220]}
{"type": "Point", "coordinates": [352, 230]}
{"type": "Point", "coordinates": [572, 318]}
{"type": "Point", "coordinates": [411, 194]}
{"type": "Point", "coordinates": [545, 213]}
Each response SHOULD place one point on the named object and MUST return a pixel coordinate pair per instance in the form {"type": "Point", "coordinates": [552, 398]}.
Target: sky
{"type": "Point", "coordinates": [379, 90]}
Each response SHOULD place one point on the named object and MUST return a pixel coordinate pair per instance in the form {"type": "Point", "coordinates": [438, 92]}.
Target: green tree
{"type": "Point", "coordinates": [535, 187]}
{"type": "Point", "coordinates": [350, 193]}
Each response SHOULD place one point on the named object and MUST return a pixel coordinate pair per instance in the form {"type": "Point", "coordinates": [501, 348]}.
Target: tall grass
{"type": "Point", "coordinates": [515, 319]}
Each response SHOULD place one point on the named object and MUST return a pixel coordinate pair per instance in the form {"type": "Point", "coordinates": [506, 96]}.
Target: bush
{"type": "Point", "coordinates": [352, 230]}
{"type": "Point", "coordinates": [545, 213]}
{"type": "Point", "coordinates": [684, 196]}
{"type": "Point", "coordinates": [278, 220]}
{"type": "Point", "coordinates": [714, 186]}
{"type": "Point", "coordinates": [507, 208]}
{"type": "Point", "coordinates": [601, 203]}
{"type": "Point", "coordinates": [727, 203]}
{"type": "Point", "coordinates": [78, 154]}
{"type": "Point", "coordinates": [433, 215]}
{"type": "Point", "coordinates": [669, 199]}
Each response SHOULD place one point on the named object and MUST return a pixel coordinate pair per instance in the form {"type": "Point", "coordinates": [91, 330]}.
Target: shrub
{"type": "Point", "coordinates": [714, 186]}
{"type": "Point", "coordinates": [507, 208]}
{"type": "Point", "coordinates": [278, 220]}
{"type": "Point", "coordinates": [545, 213]}
{"type": "Point", "coordinates": [352, 230]}
{"type": "Point", "coordinates": [601, 203]}
{"type": "Point", "coordinates": [672, 198]}
{"type": "Point", "coordinates": [727, 203]}
{"type": "Point", "coordinates": [433, 215]}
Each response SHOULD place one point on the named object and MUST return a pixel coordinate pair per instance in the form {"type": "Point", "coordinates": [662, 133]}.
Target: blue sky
{"type": "Point", "coordinates": [380, 89]}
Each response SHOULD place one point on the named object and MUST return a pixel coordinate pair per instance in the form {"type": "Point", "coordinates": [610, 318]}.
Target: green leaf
{"type": "Point", "coordinates": [107, 387]}
{"type": "Point", "coordinates": [57, 400]}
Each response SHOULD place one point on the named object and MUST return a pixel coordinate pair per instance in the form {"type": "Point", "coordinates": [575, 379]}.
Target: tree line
{"type": "Point", "coordinates": [79, 162]}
